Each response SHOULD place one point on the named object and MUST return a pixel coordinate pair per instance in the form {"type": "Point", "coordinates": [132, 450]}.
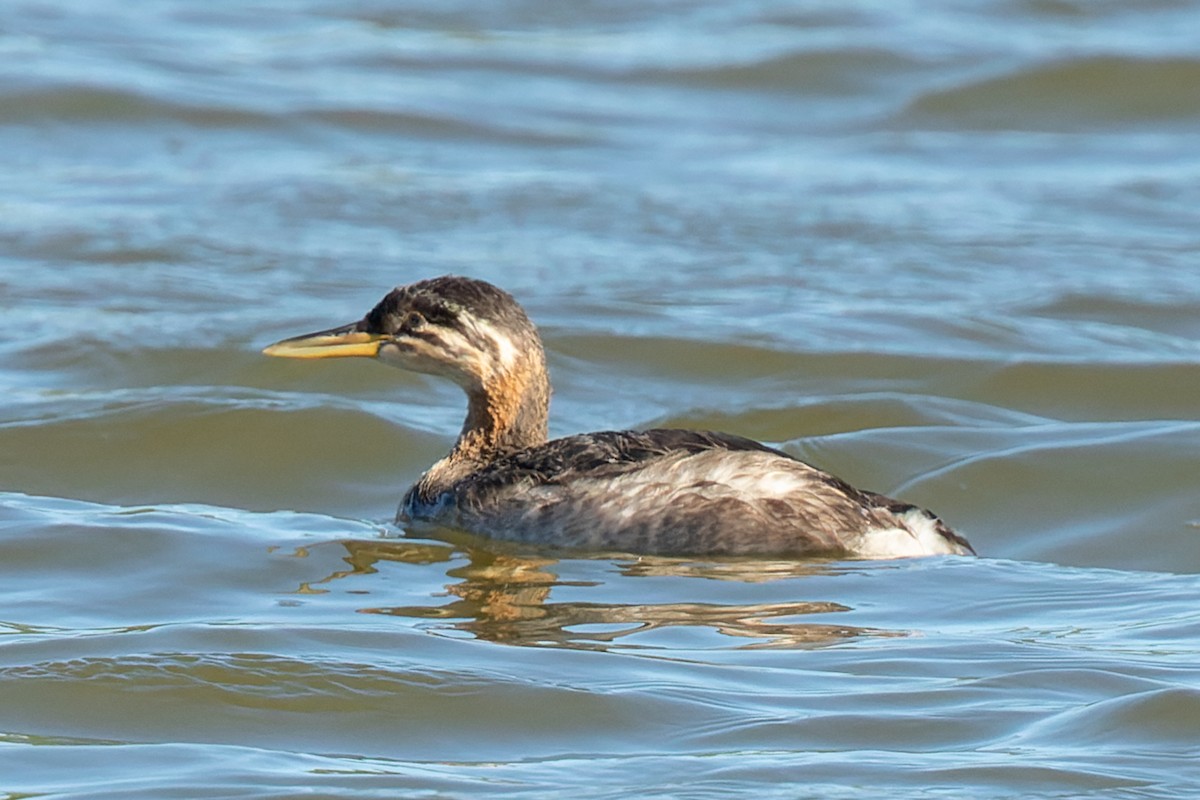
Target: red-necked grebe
{"type": "Point", "coordinates": [665, 492]}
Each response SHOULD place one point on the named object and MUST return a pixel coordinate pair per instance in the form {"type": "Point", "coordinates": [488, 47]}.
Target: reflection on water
{"type": "Point", "coordinates": [505, 598]}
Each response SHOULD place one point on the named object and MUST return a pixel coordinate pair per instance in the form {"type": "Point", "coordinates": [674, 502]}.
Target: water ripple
{"type": "Point", "coordinates": [1079, 94]}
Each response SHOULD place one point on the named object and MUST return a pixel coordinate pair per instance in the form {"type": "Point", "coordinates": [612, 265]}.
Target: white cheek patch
{"type": "Point", "coordinates": [505, 349]}
{"type": "Point", "coordinates": [416, 355]}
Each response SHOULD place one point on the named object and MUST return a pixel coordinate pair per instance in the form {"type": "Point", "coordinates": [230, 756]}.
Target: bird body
{"type": "Point", "coordinates": [661, 491]}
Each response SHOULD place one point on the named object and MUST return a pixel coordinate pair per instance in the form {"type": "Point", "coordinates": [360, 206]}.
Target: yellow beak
{"type": "Point", "coordinates": [340, 342]}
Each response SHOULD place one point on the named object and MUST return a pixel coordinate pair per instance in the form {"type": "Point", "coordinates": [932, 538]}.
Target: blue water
{"type": "Point", "coordinates": [946, 251]}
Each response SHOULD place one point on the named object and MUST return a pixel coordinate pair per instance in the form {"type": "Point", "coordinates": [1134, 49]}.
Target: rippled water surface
{"type": "Point", "coordinates": [949, 251]}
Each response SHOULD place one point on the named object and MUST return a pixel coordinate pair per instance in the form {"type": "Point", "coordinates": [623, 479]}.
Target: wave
{"type": "Point", "coordinates": [81, 103]}
{"type": "Point", "coordinates": [1076, 94]}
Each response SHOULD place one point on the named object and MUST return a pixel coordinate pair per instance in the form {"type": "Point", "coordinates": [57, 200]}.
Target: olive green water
{"type": "Point", "coordinates": [948, 251]}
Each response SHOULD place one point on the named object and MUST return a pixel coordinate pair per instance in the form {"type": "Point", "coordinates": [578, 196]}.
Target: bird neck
{"type": "Point", "coordinates": [506, 413]}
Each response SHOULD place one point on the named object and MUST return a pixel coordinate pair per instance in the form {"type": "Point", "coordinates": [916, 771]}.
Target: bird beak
{"type": "Point", "coordinates": [340, 342]}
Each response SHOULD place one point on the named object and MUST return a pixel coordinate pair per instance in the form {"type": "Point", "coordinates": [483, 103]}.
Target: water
{"type": "Point", "coordinates": [946, 250]}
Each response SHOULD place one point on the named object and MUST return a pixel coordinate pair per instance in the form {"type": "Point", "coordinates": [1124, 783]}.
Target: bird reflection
{"type": "Point", "coordinates": [504, 597]}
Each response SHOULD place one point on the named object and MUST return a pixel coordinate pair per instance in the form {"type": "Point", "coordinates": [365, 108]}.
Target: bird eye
{"type": "Point", "coordinates": [414, 321]}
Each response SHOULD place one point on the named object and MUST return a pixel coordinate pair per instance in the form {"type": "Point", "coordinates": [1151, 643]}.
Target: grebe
{"type": "Point", "coordinates": [654, 492]}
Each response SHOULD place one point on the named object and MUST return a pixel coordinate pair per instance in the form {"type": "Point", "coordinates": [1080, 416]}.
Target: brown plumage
{"type": "Point", "coordinates": [673, 492]}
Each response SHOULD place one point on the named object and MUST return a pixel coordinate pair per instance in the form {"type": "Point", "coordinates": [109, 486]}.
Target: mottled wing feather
{"type": "Point", "coordinates": [601, 454]}
{"type": "Point", "coordinates": [670, 491]}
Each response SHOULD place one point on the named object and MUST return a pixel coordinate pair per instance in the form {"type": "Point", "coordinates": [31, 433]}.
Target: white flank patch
{"type": "Point", "coordinates": [748, 475]}
{"type": "Point", "coordinates": [643, 495]}
{"type": "Point", "coordinates": [919, 538]}
{"type": "Point", "coordinates": [751, 473]}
